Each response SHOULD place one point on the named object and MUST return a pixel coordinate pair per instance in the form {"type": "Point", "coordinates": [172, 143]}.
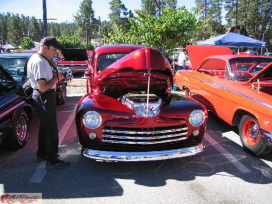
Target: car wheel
{"type": "Point", "coordinates": [61, 93]}
{"type": "Point", "coordinates": [20, 131]}
{"type": "Point", "coordinates": [250, 136]}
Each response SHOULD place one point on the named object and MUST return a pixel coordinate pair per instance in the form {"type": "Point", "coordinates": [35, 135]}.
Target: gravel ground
{"type": "Point", "coordinates": [76, 87]}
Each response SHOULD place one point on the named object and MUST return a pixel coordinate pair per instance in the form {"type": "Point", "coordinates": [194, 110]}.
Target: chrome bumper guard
{"type": "Point", "coordinates": [142, 156]}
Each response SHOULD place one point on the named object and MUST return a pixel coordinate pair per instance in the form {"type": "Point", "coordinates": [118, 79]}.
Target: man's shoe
{"type": "Point", "coordinates": [58, 164]}
{"type": "Point", "coordinates": [40, 159]}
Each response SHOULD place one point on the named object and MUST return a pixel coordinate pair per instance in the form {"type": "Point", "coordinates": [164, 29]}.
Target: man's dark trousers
{"type": "Point", "coordinates": [48, 139]}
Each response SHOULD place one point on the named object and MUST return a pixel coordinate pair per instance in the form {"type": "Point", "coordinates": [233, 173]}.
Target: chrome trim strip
{"type": "Point", "coordinates": [143, 156]}
{"type": "Point", "coordinates": [143, 138]}
{"type": "Point", "coordinates": [8, 102]}
{"type": "Point", "coordinates": [266, 136]}
{"type": "Point", "coordinates": [143, 143]}
{"type": "Point", "coordinates": [234, 92]}
{"type": "Point", "coordinates": [12, 109]}
{"type": "Point", "coordinates": [144, 132]}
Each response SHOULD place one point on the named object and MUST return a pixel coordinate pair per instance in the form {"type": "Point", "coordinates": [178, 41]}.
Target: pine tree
{"type": "Point", "coordinates": [34, 30]}
{"type": "Point", "coordinates": [155, 7]}
{"type": "Point", "coordinates": [15, 30]}
{"type": "Point", "coordinates": [119, 14]}
{"type": "Point", "coordinates": [85, 20]}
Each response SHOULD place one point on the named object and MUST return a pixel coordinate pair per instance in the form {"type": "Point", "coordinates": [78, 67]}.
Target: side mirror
{"type": "Point", "coordinates": [88, 73]}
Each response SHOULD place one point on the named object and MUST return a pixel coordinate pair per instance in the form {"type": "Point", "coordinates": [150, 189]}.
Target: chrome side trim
{"type": "Point", "coordinates": [8, 102]}
{"type": "Point", "coordinates": [266, 136]}
{"type": "Point", "coordinates": [11, 109]}
{"type": "Point", "coordinates": [143, 156]}
{"type": "Point", "coordinates": [232, 91]}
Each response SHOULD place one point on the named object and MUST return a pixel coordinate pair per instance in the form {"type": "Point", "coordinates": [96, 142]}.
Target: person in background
{"type": "Point", "coordinates": [43, 81]}
{"type": "Point", "coordinates": [182, 60]}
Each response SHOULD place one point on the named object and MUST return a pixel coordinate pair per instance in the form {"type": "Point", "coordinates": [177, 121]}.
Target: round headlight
{"type": "Point", "coordinates": [197, 118]}
{"type": "Point", "coordinates": [92, 119]}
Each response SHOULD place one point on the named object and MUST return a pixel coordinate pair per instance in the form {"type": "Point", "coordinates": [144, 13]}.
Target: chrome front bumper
{"type": "Point", "coordinates": [143, 156]}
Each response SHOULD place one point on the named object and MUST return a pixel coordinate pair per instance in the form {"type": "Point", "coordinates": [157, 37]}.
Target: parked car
{"type": "Point", "coordinates": [14, 64]}
{"type": "Point", "coordinates": [227, 85]}
{"type": "Point", "coordinates": [15, 113]}
{"type": "Point", "coordinates": [251, 52]}
{"type": "Point", "coordinates": [129, 112]}
{"type": "Point", "coordinates": [268, 54]}
{"type": "Point", "coordinates": [75, 58]}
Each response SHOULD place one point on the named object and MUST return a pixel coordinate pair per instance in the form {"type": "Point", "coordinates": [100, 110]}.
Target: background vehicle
{"type": "Point", "coordinates": [14, 63]}
{"type": "Point", "coordinates": [229, 87]}
{"type": "Point", "coordinates": [129, 112]}
{"type": "Point", "coordinates": [77, 60]}
{"type": "Point", "coordinates": [14, 112]}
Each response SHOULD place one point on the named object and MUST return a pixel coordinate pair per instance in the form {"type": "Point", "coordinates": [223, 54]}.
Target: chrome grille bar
{"type": "Point", "coordinates": [152, 137]}
{"type": "Point", "coordinates": [144, 137]}
{"type": "Point", "coordinates": [144, 131]}
{"type": "Point", "coordinates": [144, 143]}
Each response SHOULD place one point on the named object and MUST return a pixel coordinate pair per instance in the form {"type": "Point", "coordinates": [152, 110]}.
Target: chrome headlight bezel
{"type": "Point", "coordinates": [92, 119]}
{"type": "Point", "coordinates": [197, 118]}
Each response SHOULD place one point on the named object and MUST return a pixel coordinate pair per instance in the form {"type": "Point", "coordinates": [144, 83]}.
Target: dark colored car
{"type": "Point", "coordinates": [14, 64]}
{"type": "Point", "coordinates": [15, 113]}
{"type": "Point", "coordinates": [129, 112]}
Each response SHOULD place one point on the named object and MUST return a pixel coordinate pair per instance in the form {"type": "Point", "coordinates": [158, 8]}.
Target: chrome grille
{"type": "Point", "coordinates": [144, 136]}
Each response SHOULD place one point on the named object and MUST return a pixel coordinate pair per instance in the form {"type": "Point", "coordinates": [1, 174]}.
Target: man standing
{"type": "Point", "coordinates": [43, 81]}
{"type": "Point", "coordinates": [181, 59]}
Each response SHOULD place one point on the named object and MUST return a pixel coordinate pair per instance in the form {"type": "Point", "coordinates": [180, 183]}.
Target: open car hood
{"type": "Point", "coordinates": [73, 54]}
{"type": "Point", "coordinates": [266, 72]}
{"type": "Point", "coordinates": [197, 53]}
{"type": "Point", "coordinates": [138, 71]}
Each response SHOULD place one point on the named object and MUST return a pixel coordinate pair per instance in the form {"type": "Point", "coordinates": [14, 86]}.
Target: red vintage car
{"type": "Point", "coordinates": [237, 88]}
{"type": "Point", "coordinates": [129, 112]}
{"type": "Point", "coordinates": [77, 59]}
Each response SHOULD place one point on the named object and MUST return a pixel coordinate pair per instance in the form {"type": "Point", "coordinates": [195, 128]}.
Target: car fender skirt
{"type": "Point", "coordinates": [143, 156]}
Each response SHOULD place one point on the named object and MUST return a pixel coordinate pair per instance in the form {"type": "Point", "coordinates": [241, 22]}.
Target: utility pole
{"type": "Point", "coordinates": [44, 19]}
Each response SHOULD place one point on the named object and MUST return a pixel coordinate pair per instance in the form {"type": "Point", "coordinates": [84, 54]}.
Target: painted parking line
{"type": "Point", "coordinates": [41, 171]}
{"type": "Point", "coordinates": [226, 154]}
{"type": "Point", "coordinates": [236, 139]}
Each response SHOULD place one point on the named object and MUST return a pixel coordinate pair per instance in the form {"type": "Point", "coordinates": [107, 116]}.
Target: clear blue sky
{"type": "Point", "coordinates": [63, 10]}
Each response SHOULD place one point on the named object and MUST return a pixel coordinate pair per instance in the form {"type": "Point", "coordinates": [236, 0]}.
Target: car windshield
{"type": "Point", "coordinates": [250, 65]}
{"type": "Point", "coordinates": [15, 66]}
{"type": "Point", "coordinates": [107, 59]}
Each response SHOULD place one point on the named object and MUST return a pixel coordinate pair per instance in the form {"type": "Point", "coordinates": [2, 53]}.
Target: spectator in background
{"type": "Point", "coordinates": [182, 60]}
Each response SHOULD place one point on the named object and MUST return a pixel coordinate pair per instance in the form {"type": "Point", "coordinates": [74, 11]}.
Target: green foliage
{"type": "Point", "coordinates": [27, 43]}
{"type": "Point", "coordinates": [88, 47]}
{"type": "Point", "coordinates": [34, 30]}
{"type": "Point", "coordinates": [211, 13]}
{"type": "Point", "coordinates": [155, 7]}
{"type": "Point", "coordinates": [166, 32]}
{"type": "Point", "coordinates": [15, 30]}
{"type": "Point", "coordinates": [71, 41]}
{"type": "Point", "coordinates": [84, 19]}
{"type": "Point", "coordinates": [119, 14]}
{"type": "Point", "coordinates": [252, 15]}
